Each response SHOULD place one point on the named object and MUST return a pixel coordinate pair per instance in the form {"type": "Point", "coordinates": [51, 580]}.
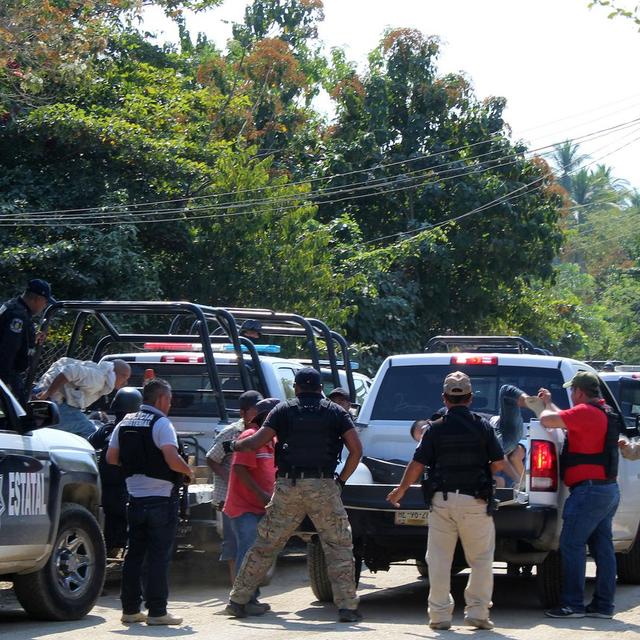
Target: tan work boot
{"type": "Point", "coordinates": [132, 618]}
{"type": "Point", "coordinates": [167, 618]}
{"type": "Point", "coordinates": [479, 623]}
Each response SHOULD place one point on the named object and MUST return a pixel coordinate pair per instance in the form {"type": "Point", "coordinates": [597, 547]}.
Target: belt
{"type": "Point", "coordinates": [464, 492]}
{"type": "Point", "coordinates": [586, 483]}
{"type": "Point", "coordinates": [301, 474]}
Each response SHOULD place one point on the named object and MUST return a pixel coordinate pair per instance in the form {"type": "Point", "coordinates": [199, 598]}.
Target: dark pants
{"type": "Point", "coordinates": [114, 505]}
{"type": "Point", "coordinates": [152, 531]}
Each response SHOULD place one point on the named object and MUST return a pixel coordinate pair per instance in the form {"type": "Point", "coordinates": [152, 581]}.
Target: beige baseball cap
{"type": "Point", "coordinates": [457, 384]}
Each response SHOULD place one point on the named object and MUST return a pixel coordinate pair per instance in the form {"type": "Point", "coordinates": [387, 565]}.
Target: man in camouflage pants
{"type": "Point", "coordinates": [311, 432]}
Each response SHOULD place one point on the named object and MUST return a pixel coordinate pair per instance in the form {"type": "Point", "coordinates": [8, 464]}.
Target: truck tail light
{"type": "Point", "coordinates": [544, 466]}
{"type": "Point", "coordinates": [468, 359]}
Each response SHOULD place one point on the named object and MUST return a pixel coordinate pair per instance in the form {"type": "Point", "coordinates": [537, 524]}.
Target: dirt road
{"type": "Point", "coordinates": [393, 604]}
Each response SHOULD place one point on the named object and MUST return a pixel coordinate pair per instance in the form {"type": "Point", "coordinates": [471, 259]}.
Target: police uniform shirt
{"type": "Point", "coordinates": [426, 453]}
{"type": "Point", "coordinates": [139, 485]}
{"type": "Point", "coordinates": [278, 418]}
{"type": "Point", "coordinates": [17, 336]}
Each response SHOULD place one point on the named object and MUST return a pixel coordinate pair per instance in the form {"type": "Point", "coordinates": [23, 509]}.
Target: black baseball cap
{"type": "Point", "coordinates": [251, 325]}
{"type": "Point", "coordinates": [263, 408]}
{"type": "Point", "coordinates": [41, 288]}
{"type": "Point", "coordinates": [249, 399]}
{"type": "Point", "coordinates": [308, 377]}
{"type": "Point", "coordinates": [339, 392]}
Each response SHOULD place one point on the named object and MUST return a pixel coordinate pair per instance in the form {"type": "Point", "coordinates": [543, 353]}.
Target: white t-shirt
{"type": "Point", "coordinates": [139, 485]}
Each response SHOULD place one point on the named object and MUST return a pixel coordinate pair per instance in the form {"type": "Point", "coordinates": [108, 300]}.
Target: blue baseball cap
{"type": "Point", "coordinates": [41, 288]}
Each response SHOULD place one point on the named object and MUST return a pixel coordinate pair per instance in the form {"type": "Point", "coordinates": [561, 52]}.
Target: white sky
{"type": "Point", "coordinates": [565, 70]}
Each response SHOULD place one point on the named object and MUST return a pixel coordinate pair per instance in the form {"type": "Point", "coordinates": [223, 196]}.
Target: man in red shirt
{"type": "Point", "coordinates": [251, 481]}
{"type": "Point", "coordinates": [593, 500]}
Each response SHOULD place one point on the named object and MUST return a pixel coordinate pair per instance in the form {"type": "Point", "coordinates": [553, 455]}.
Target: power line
{"type": "Point", "coordinates": [32, 219]}
{"type": "Point", "coordinates": [509, 196]}
{"type": "Point", "coordinates": [100, 209]}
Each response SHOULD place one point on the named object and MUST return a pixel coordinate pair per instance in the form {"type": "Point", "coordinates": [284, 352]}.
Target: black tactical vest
{"type": "Point", "coordinates": [138, 452]}
{"type": "Point", "coordinates": [460, 444]}
{"type": "Point", "coordinates": [311, 439]}
{"type": "Point", "coordinates": [608, 457]}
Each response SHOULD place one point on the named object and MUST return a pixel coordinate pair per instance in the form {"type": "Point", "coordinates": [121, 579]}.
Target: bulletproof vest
{"type": "Point", "coordinates": [607, 458]}
{"type": "Point", "coordinates": [462, 458]}
{"type": "Point", "coordinates": [311, 439]}
{"type": "Point", "coordinates": [138, 452]}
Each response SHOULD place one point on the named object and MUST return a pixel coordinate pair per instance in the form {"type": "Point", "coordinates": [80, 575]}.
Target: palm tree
{"type": "Point", "coordinates": [567, 160]}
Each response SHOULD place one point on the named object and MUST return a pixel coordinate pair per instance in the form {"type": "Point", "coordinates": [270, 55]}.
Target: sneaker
{"type": "Point", "coordinates": [564, 612]}
{"type": "Point", "coordinates": [132, 618]}
{"type": "Point", "coordinates": [535, 404]}
{"type": "Point", "coordinates": [349, 615]}
{"type": "Point", "coordinates": [167, 618]}
{"type": "Point", "coordinates": [479, 623]}
{"type": "Point", "coordinates": [443, 625]}
{"type": "Point", "coordinates": [592, 613]}
{"type": "Point", "coordinates": [236, 610]}
{"type": "Point", "coordinates": [256, 608]}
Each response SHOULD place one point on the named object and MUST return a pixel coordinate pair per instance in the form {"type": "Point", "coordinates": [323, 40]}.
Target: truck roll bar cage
{"type": "Point", "coordinates": [201, 318]}
{"type": "Point", "coordinates": [484, 344]}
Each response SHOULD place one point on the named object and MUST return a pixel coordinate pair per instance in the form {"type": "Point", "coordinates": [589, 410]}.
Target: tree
{"type": "Point", "coordinates": [419, 149]}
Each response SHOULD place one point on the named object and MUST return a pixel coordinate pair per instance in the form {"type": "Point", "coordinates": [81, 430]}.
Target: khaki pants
{"type": "Point", "coordinates": [464, 517]}
{"type": "Point", "coordinates": [320, 499]}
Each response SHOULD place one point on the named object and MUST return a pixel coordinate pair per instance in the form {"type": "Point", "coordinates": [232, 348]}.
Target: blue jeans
{"type": "Point", "coordinates": [72, 420]}
{"type": "Point", "coordinates": [587, 517]}
{"type": "Point", "coordinates": [228, 550]}
{"type": "Point", "coordinates": [510, 426]}
{"type": "Point", "coordinates": [245, 530]}
{"type": "Point", "coordinates": [152, 524]}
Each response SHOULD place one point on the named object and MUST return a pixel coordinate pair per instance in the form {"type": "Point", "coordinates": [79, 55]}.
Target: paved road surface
{"type": "Point", "coordinates": [393, 603]}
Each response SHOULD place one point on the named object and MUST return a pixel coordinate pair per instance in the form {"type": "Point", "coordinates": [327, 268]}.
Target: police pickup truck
{"type": "Point", "coordinates": [528, 522]}
{"type": "Point", "coordinates": [51, 546]}
{"type": "Point", "coordinates": [200, 351]}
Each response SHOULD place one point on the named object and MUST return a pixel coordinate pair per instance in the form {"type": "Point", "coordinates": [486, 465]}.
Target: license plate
{"type": "Point", "coordinates": [411, 518]}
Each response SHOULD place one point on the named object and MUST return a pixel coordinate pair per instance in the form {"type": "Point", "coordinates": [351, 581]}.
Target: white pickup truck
{"type": "Point", "coordinates": [528, 523]}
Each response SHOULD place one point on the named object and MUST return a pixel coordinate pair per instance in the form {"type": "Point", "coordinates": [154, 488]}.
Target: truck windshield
{"type": "Point", "coordinates": [415, 392]}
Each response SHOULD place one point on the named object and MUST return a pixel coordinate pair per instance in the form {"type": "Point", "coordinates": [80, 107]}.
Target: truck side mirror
{"type": "Point", "coordinates": [354, 409]}
{"type": "Point", "coordinates": [40, 414]}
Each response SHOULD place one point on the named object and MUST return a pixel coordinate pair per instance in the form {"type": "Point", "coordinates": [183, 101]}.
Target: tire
{"type": "Point", "coordinates": [67, 587]}
{"type": "Point", "coordinates": [318, 575]}
{"type": "Point", "coordinates": [549, 580]}
{"type": "Point", "coordinates": [629, 563]}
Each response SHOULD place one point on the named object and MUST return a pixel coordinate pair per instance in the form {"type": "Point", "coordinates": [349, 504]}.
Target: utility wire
{"type": "Point", "coordinates": [98, 209]}
{"type": "Point", "coordinates": [23, 219]}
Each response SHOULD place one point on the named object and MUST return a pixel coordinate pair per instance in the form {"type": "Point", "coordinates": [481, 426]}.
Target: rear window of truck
{"type": "Point", "coordinates": [192, 393]}
{"type": "Point", "coordinates": [415, 392]}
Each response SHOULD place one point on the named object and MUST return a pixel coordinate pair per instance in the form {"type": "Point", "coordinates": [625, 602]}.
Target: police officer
{"type": "Point", "coordinates": [18, 335]}
{"type": "Point", "coordinates": [461, 452]}
{"type": "Point", "coordinates": [114, 488]}
{"type": "Point", "coordinates": [146, 445]}
{"type": "Point", "coordinates": [311, 431]}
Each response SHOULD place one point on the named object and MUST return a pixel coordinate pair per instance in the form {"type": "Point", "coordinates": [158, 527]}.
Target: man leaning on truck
{"type": "Point", "coordinates": [593, 500]}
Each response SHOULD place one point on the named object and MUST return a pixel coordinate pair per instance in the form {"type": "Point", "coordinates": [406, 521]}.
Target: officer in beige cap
{"type": "Point", "coordinates": [460, 452]}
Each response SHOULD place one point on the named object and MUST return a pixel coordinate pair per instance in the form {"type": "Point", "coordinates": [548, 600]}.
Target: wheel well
{"type": "Point", "coordinates": [82, 493]}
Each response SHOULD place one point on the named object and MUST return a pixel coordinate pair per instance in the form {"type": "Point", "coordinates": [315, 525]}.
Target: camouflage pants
{"type": "Point", "coordinates": [319, 498]}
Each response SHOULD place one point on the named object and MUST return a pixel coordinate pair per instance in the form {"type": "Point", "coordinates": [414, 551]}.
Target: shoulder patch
{"type": "Point", "coordinates": [16, 325]}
